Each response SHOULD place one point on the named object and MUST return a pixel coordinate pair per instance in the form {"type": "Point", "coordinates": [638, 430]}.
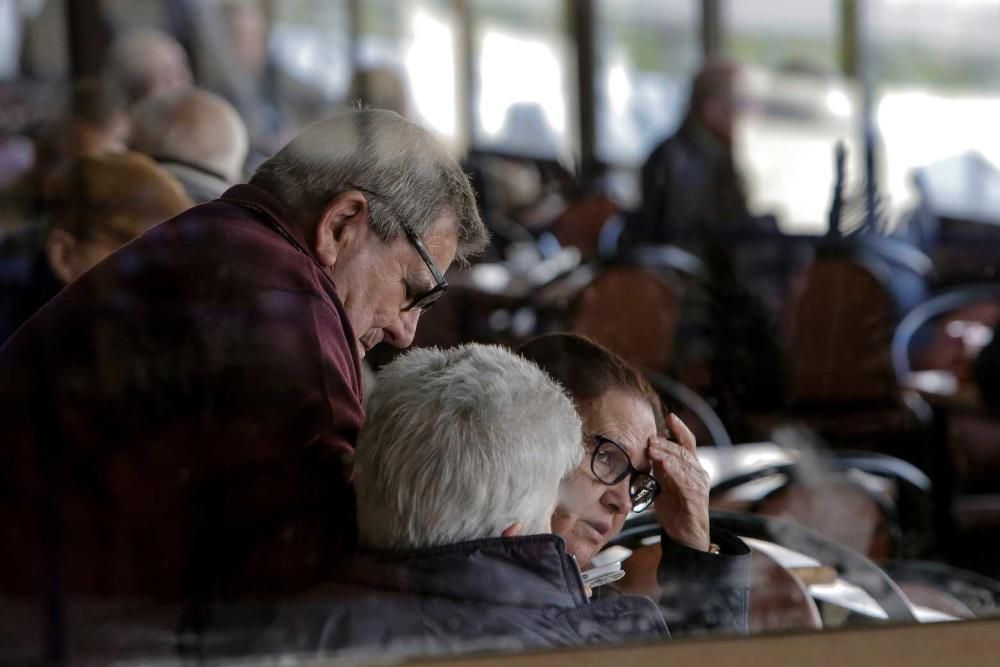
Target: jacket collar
{"type": "Point", "coordinates": [531, 571]}
{"type": "Point", "coordinates": [276, 214]}
{"type": "Point", "coordinates": [186, 166]}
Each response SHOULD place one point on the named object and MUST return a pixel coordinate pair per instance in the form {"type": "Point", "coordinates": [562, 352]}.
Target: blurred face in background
{"type": "Point", "coordinates": [717, 99]}
{"type": "Point", "coordinates": [247, 37]}
{"type": "Point", "coordinates": [70, 257]}
{"type": "Point", "coordinates": [99, 203]}
{"type": "Point", "coordinates": [95, 122]}
{"type": "Point", "coordinates": [111, 137]}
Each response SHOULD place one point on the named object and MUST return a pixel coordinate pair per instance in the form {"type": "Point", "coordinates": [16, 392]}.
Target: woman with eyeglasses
{"type": "Point", "coordinates": [637, 459]}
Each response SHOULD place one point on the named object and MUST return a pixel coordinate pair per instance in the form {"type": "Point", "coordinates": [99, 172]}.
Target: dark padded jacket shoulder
{"type": "Point", "coordinates": [495, 594]}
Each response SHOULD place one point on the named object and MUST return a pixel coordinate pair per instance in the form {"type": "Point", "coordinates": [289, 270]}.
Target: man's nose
{"type": "Point", "coordinates": [401, 333]}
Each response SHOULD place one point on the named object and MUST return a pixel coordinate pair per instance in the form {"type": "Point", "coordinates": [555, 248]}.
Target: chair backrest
{"type": "Point", "coordinates": [976, 592]}
{"type": "Point", "coordinates": [930, 597]}
{"type": "Point", "coordinates": [979, 302]}
{"type": "Point", "coordinates": [838, 507]}
{"type": "Point", "coordinates": [779, 600]}
{"type": "Point", "coordinates": [581, 223]}
{"type": "Point", "coordinates": [851, 566]}
{"type": "Point", "coordinates": [691, 406]}
{"type": "Point", "coordinates": [640, 572]}
{"type": "Point", "coordinates": [840, 348]}
{"type": "Point", "coordinates": [633, 312]}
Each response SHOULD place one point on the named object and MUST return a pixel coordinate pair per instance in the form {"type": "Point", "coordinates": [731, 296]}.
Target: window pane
{"type": "Point", "coordinates": [647, 53]}
{"type": "Point", "coordinates": [938, 68]}
{"type": "Point", "coordinates": [311, 42]}
{"type": "Point", "coordinates": [778, 34]}
{"type": "Point", "coordinates": [414, 41]}
{"type": "Point", "coordinates": [522, 58]}
{"type": "Point", "coordinates": [799, 107]}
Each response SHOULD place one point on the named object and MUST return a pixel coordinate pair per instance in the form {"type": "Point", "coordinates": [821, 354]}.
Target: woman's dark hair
{"type": "Point", "coordinates": [588, 370]}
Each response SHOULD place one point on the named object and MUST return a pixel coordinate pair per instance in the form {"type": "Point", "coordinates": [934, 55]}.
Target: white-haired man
{"type": "Point", "coordinates": [197, 393]}
{"type": "Point", "coordinates": [457, 475]}
{"type": "Point", "coordinates": [195, 135]}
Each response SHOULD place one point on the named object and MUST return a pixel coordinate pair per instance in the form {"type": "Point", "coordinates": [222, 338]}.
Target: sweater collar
{"type": "Point", "coordinates": [278, 216]}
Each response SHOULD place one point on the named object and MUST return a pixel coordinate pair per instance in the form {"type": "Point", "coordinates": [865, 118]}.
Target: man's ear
{"type": "Point", "coordinates": [60, 248]}
{"type": "Point", "coordinates": [344, 221]}
{"type": "Point", "coordinates": [513, 530]}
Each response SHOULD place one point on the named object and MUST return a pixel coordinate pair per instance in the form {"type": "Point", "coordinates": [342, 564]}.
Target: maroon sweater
{"type": "Point", "coordinates": [173, 424]}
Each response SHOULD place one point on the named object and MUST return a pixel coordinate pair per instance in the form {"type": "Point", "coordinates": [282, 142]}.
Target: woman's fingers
{"type": "Point", "coordinates": [657, 444]}
{"type": "Point", "coordinates": [685, 438]}
{"type": "Point", "coordinates": [676, 465]}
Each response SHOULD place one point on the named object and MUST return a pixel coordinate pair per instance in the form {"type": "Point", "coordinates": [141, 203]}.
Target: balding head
{"type": "Point", "coordinates": [192, 126]}
{"type": "Point", "coordinates": [146, 61]}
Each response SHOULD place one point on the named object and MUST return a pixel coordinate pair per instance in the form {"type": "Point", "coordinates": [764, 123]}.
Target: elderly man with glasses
{"type": "Point", "coordinates": [179, 419]}
{"type": "Point", "coordinates": [457, 474]}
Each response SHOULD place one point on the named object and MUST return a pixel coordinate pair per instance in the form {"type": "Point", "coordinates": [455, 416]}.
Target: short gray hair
{"type": "Point", "coordinates": [458, 445]}
{"type": "Point", "coordinates": [383, 153]}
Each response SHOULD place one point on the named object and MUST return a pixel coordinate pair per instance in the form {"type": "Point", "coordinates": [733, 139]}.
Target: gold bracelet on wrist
{"type": "Point", "coordinates": [714, 549]}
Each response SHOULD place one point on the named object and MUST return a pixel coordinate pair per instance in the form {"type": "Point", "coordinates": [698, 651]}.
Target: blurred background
{"type": "Point", "coordinates": [595, 84]}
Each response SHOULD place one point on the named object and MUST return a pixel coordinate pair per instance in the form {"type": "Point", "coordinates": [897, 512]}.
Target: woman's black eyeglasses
{"type": "Point", "coordinates": [610, 464]}
{"type": "Point", "coordinates": [424, 300]}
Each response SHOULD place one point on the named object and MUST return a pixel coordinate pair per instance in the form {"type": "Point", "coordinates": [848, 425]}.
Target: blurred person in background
{"type": "Point", "coordinates": [693, 197]}
{"type": "Point", "coordinates": [245, 75]}
{"type": "Point", "coordinates": [195, 135]}
{"type": "Point", "coordinates": [93, 120]}
{"type": "Point", "coordinates": [144, 61]}
{"type": "Point", "coordinates": [691, 187]}
{"type": "Point", "coordinates": [95, 205]}
{"type": "Point", "coordinates": [465, 560]}
{"type": "Point", "coordinates": [199, 392]}
{"type": "Point", "coordinates": [634, 458]}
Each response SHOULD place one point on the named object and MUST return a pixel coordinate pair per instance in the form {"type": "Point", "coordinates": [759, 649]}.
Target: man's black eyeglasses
{"type": "Point", "coordinates": [424, 300]}
{"type": "Point", "coordinates": [610, 464]}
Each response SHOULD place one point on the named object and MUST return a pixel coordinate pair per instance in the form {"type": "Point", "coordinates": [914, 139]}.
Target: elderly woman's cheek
{"type": "Point", "coordinates": [575, 495]}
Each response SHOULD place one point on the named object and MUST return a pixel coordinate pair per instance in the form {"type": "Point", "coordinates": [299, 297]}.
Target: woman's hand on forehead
{"type": "Point", "coordinates": [682, 506]}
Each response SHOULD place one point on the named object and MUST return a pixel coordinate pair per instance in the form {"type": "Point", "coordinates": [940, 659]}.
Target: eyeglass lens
{"type": "Point", "coordinates": [611, 465]}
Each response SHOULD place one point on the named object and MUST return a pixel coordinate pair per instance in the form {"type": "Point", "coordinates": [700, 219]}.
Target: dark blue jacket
{"type": "Point", "coordinates": [495, 594]}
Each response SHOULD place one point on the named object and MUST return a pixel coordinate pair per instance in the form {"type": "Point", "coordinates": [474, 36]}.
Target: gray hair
{"type": "Point", "coordinates": [380, 151]}
{"type": "Point", "coordinates": [191, 125]}
{"type": "Point", "coordinates": [458, 445]}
